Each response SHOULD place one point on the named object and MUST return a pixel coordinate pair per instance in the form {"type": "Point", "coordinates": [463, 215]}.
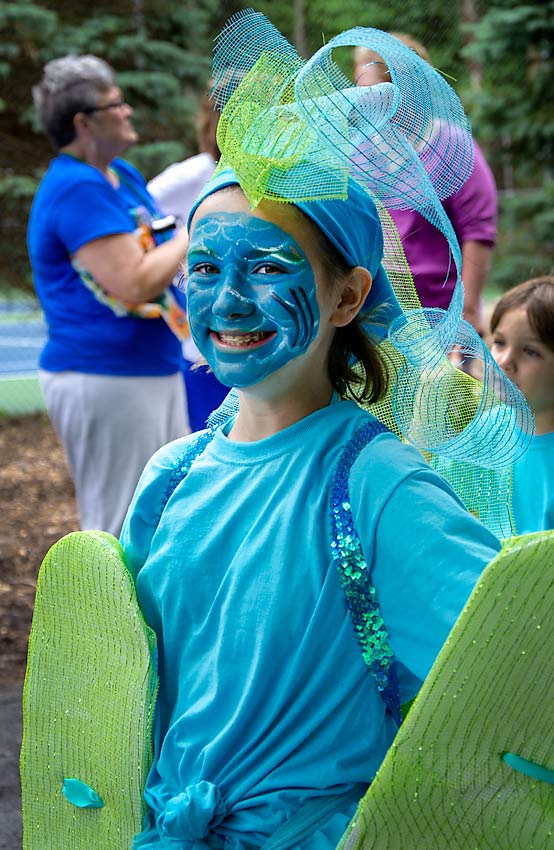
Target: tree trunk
{"type": "Point", "coordinates": [299, 27]}
{"type": "Point", "coordinates": [468, 10]}
{"type": "Point", "coordinates": [138, 16]}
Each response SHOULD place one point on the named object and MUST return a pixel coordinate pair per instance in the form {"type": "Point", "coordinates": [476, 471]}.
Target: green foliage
{"type": "Point", "coordinates": [16, 195]}
{"type": "Point", "coordinates": [434, 23]}
{"type": "Point", "coordinates": [525, 246]}
{"type": "Point", "coordinates": [514, 44]}
{"type": "Point", "coordinates": [513, 114]}
{"type": "Point", "coordinates": [163, 64]}
{"type": "Point", "coordinates": [26, 23]}
{"type": "Point", "coordinates": [14, 187]}
{"type": "Point", "coordinates": [163, 58]}
{"type": "Point", "coordinates": [93, 35]}
{"type": "Point", "coordinates": [181, 64]}
{"type": "Point", "coordinates": [152, 158]}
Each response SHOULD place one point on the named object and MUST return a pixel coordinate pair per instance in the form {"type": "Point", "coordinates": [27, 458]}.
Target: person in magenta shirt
{"type": "Point", "coordinates": [472, 211]}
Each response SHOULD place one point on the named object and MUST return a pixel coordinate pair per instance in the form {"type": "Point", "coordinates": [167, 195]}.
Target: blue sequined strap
{"type": "Point", "coordinates": [183, 464]}
{"type": "Point", "coordinates": [355, 579]}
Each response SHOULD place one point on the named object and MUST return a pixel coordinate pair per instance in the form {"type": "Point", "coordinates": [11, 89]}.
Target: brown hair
{"type": "Point", "coordinates": [352, 347]}
{"type": "Point", "coordinates": [537, 296]}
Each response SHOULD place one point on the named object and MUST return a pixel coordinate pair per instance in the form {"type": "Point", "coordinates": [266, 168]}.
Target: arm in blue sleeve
{"type": "Point", "coordinates": [429, 553]}
{"type": "Point", "coordinates": [89, 211]}
{"type": "Point", "coordinates": [424, 549]}
{"type": "Point", "coordinates": [145, 509]}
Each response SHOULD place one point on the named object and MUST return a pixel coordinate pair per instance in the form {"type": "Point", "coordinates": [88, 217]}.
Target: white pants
{"type": "Point", "coordinates": [109, 427]}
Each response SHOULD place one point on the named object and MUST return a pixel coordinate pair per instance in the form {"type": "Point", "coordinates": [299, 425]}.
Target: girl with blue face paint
{"type": "Point", "coordinates": [268, 726]}
{"type": "Point", "coordinates": [252, 292]}
{"type": "Point", "coordinates": [264, 305]}
{"type": "Point", "coordinates": [299, 565]}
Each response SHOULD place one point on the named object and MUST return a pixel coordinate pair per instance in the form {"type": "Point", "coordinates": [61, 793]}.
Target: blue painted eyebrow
{"type": "Point", "coordinates": [278, 251]}
{"type": "Point", "coordinates": [285, 255]}
{"type": "Point", "coordinates": [201, 249]}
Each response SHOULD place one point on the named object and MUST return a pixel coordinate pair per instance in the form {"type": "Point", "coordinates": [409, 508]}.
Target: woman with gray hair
{"type": "Point", "coordinates": [110, 369]}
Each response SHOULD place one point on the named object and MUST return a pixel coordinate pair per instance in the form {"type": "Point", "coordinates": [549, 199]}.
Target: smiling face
{"type": "Point", "coordinates": [528, 362]}
{"type": "Point", "coordinates": [251, 290]}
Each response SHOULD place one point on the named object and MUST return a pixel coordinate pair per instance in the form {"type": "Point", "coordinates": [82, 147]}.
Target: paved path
{"type": "Point", "coordinates": [22, 337]}
{"type": "Point", "coordinates": [10, 743]}
{"type": "Point", "coordinates": [20, 346]}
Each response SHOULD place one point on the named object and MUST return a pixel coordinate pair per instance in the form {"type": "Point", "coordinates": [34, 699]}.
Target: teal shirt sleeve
{"type": "Point", "coordinates": [144, 511]}
{"type": "Point", "coordinates": [533, 486]}
{"type": "Point", "coordinates": [426, 550]}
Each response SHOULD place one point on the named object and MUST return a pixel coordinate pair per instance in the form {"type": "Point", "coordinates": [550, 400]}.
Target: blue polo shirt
{"type": "Point", "coordinates": [75, 205]}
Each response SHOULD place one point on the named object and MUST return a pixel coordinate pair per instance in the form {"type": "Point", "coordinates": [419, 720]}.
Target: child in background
{"type": "Point", "coordinates": [522, 327]}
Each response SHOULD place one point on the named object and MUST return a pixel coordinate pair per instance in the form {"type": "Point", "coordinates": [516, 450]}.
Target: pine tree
{"type": "Point", "coordinates": [514, 112]}
{"type": "Point", "coordinates": [163, 65]}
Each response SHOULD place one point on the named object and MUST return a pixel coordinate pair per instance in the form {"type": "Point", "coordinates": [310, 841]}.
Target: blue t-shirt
{"type": "Point", "coordinates": [73, 206]}
{"type": "Point", "coordinates": [533, 486]}
{"type": "Point", "coordinates": [265, 702]}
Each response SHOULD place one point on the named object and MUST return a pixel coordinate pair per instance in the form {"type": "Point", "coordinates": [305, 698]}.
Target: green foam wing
{"type": "Point", "coordinates": [472, 767]}
{"type": "Point", "coordinates": [88, 701]}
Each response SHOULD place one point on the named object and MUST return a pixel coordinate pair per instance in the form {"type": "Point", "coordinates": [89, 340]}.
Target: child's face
{"type": "Point", "coordinates": [525, 359]}
{"type": "Point", "coordinates": [253, 301]}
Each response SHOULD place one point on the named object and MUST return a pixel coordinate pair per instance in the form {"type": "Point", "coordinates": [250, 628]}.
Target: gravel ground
{"type": "Point", "coordinates": [37, 507]}
{"type": "Point", "coordinates": [10, 741]}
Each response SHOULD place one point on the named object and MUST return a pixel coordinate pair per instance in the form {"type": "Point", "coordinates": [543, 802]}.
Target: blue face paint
{"type": "Point", "coordinates": [251, 297]}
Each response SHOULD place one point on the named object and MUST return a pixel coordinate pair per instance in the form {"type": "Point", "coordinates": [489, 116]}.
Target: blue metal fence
{"type": "Point", "coordinates": [22, 336]}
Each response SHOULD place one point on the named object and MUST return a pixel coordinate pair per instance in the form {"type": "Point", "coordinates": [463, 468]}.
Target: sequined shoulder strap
{"type": "Point", "coordinates": [184, 462]}
{"type": "Point", "coordinates": [354, 575]}
{"type": "Point", "coordinates": [348, 556]}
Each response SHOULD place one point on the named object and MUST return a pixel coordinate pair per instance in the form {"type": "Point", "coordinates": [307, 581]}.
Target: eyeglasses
{"type": "Point", "coordinates": [116, 104]}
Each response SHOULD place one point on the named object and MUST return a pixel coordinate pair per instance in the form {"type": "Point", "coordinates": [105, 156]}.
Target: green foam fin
{"type": "Point", "coordinates": [445, 783]}
{"type": "Point", "coordinates": [88, 701]}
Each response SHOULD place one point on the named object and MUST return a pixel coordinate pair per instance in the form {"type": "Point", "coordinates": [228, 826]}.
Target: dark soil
{"type": "Point", "coordinates": [37, 507]}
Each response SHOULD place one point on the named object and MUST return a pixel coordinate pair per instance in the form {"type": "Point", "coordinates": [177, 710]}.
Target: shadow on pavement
{"type": "Point", "coordinates": [10, 743]}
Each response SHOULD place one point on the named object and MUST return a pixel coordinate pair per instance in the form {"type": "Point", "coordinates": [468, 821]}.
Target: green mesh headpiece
{"type": "Point", "coordinates": [88, 701]}
{"type": "Point", "coordinates": [295, 130]}
{"type": "Point", "coordinates": [473, 763]}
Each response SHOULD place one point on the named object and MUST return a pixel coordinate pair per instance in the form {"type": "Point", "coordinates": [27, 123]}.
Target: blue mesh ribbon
{"type": "Point", "coordinates": [299, 131]}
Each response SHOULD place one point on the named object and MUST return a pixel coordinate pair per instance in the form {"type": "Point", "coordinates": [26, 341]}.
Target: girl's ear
{"type": "Point", "coordinates": [356, 286]}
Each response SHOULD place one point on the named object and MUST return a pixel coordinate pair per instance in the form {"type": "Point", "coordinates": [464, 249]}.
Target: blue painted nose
{"type": "Point", "coordinates": [232, 304]}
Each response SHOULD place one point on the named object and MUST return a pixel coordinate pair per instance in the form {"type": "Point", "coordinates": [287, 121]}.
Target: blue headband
{"type": "Point", "coordinates": [353, 227]}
